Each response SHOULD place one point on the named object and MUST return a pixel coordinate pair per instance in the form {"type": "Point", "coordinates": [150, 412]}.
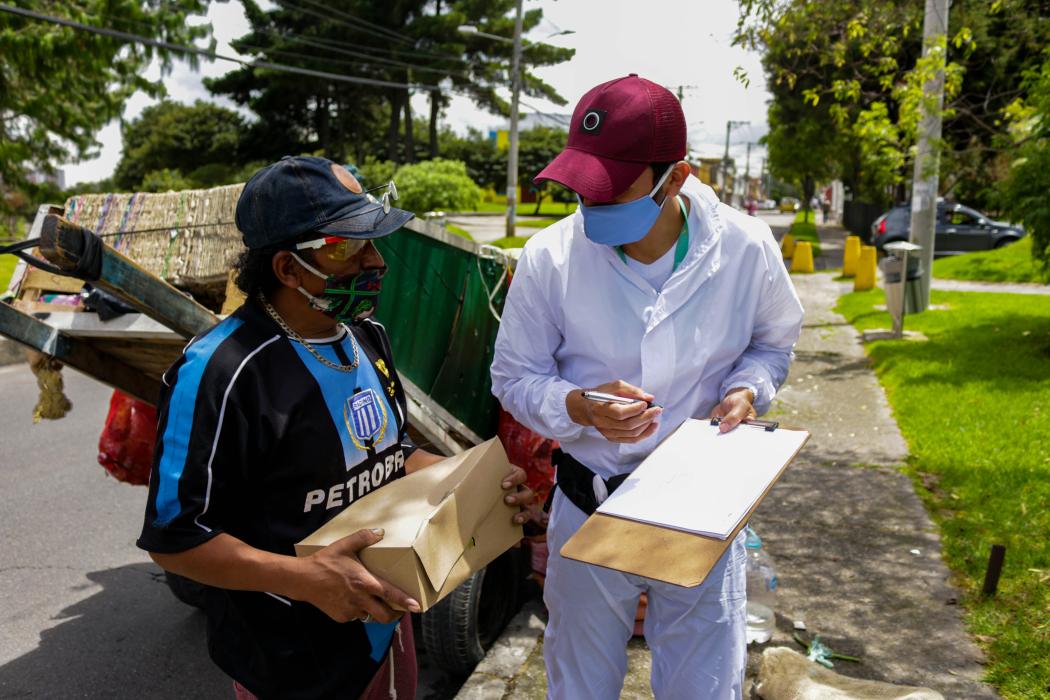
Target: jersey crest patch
{"type": "Point", "coordinates": [366, 418]}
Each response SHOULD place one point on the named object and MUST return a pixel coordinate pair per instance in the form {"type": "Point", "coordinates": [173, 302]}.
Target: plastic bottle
{"type": "Point", "coordinates": [761, 590]}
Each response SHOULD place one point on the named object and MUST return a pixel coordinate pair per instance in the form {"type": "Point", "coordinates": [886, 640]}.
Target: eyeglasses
{"type": "Point", "coordinates": [334, 248]}
{"type": "Point", "coordinates": [389, 195]}
{"type": "Point", "coordinates": [342, 249]}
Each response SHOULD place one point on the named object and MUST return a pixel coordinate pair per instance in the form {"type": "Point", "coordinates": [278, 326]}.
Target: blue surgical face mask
{"type": "Point", "coordinates": [619, 224]}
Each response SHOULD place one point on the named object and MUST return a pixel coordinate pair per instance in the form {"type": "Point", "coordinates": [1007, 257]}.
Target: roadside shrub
{"type": "Point", "coordinates": [165, 180]}
{"type": "Point", "coordinates": [436, 185]}
{"type": "Point", "coordinates": [376, 172]}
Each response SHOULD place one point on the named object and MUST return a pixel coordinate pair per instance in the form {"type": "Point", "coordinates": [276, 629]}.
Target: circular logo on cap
{"type": "Point", "coordinates": [346, 179]}
{"type": "Point", "coordinates": [592, 121]}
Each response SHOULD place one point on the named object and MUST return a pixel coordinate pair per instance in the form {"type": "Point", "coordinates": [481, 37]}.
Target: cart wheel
{"type": "Point", "coordinates": [460, 628]}
{"type": "Point", "coordinates": [187, 590]}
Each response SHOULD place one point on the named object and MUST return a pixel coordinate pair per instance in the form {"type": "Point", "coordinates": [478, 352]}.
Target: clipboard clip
{"type": "Point", "coordinates": [767, 425]}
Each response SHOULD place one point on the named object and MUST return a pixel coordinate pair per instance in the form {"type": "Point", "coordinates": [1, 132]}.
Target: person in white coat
{"type": "Point", "coordinates": [652, 290]}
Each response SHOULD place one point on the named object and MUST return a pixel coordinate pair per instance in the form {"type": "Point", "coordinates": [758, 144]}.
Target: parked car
{"type": "Point", "coordinates": [960, 229]}
{"type": "Point", "coordinates": [789, 205]}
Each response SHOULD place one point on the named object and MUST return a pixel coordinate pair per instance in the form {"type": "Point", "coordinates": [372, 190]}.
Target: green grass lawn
{"type": "Point", "coordinates": [452, 228]}
{"type": "Point", "coordinates": [511, 242]}
{"type": "Point", "coordinates": [7, 266]}
{"type": "Point", "coordinates": [1012, 263]}
{"type": "Point", "coordinates": [536, 223]}
{"type": "Point", "coordinates": [549, 209]}
{"type": "Point", "coordinates": [804, 229]}
{"type": "Point", "coordinates": [973, 402]}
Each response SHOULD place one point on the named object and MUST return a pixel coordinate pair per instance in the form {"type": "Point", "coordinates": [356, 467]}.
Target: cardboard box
{"type": "Point", "coordinates": [442, 523]}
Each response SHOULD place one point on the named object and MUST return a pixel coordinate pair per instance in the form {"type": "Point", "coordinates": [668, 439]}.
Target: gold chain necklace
{"type": "Point", "coordinates": [310, 348]}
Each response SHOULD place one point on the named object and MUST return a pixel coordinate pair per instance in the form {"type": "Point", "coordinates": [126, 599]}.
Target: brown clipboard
{"type": "Point", "coordinates": [659, 553]}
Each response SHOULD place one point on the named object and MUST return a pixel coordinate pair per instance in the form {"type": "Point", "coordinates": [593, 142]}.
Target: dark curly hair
{"type": "Point", "coordinates": [255, 267]}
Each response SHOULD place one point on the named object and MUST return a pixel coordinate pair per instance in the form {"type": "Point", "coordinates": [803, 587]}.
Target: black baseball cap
{"type": "Point", "coordinates": [298, 195]}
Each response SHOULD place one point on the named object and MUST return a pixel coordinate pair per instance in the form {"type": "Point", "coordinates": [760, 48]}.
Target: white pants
{"type": "Point", "coordinates": [697, 635]}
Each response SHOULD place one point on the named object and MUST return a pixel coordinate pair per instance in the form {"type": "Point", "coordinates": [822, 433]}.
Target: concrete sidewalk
{"type": "Point", "coordinates": [486, 228]}
{"type": "Point", "coordinates": [857, 556]}
{"type": "Point", "coordinates": [994, 287]}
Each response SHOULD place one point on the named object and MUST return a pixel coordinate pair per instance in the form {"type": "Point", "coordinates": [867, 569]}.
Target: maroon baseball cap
{"type": "Point", "coordinates": [618, 129]}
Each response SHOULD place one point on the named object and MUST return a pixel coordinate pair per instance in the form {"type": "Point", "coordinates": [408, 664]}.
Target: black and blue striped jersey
{"type": "Point", "coordinates": [260, 440]}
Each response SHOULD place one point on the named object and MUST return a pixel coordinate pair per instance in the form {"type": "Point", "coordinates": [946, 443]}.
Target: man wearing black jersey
{"type": "Point", "coordinates": [273, 422]}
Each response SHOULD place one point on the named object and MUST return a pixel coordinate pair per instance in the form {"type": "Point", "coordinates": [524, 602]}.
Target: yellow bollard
{"type": "Point", "coordinates": [866, 265]}
{"type": "Point", "coordinates": [787, 246]}
{"type": "Point", "coordinates": [803, 260]}
{"type": "Point", "coordinates": [850, 256]}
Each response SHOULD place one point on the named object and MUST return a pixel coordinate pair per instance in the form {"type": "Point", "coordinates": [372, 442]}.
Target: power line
{"type": "Point", "coordinates": [267, 65]}
{"type": "Point", "coordinates": [400, 53]}
{"type": "Point", "coordinates": [156, 43]}
{"type": "Point", "coordinates": [361, 24]}
{"type": "Point", "coordinates": [331, 10]}
{"type": "Point", "coordinates": [383, 33]}
{"type": "Point", "coordinates": [389, 61]}
{"type": "Point", "coordinates": [319, 42]}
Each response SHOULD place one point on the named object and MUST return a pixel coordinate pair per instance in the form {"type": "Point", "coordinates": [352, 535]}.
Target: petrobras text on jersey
{"type": "Point", "coordinates": [364, 478]}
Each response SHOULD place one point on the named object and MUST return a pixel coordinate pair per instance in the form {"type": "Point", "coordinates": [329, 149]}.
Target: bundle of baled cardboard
{"type": "Point", "coordinates": [188, 238]}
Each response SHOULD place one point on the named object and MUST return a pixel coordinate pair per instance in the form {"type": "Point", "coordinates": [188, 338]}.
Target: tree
{"type": "Point", "coordinates": [1024, 191]}
{"type": "Point", "coordinates": [800, 151]}
{"type": "Point", "coordinates": [164, 180]}
{"type": "Point", "coordinates": [485, 164]}
{"type": "Point", "coordinates": [407, 42]}
{"type": "Point", "coordinates": [303, 114]}
{"type": "Point", "coordinates": [60, 85]}
{"type": "Point", "coordinates": [538, 147]}
{"type": "Point", "coordinates": [480, 64]}
{"type": "Point", "coordinates": [831, 68]}
{"type": "Point", "coordinates": [202, 137]}
{"type": "Point", "coordinates": [854, 70]}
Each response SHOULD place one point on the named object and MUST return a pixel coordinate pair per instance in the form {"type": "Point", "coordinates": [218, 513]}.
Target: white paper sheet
{"type": "Point", "coordinates": [702, 481]}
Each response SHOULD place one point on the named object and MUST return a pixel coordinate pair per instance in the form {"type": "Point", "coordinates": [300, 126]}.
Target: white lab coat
{"type": "Point", "coordinates": [576, 316]}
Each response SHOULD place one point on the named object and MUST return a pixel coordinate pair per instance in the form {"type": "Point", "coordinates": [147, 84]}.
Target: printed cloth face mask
{"type": "Point", "coordinates": [345, 298]}
{"type": "Point", "coordinates": [619, 224]}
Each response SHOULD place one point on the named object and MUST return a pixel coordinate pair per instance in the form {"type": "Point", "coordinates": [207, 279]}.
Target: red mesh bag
{"type": "Point", "coordinates": [125, 448]}
{"type": "Point", "coordinates": [529, 451]}
{"type": "Point", "coordinates": [532, 453]}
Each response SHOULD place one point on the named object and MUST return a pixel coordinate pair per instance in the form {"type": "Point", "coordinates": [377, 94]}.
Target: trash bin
{"type": "Point", "coordinates": [903, 288]}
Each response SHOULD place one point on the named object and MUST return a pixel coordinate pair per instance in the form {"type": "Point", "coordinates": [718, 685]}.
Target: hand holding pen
{"type": "Point", "coordinates": [619, 411]}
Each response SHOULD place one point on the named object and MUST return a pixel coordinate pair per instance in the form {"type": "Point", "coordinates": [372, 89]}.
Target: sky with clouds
{"type": "Point", "coordinates": [672, 42]}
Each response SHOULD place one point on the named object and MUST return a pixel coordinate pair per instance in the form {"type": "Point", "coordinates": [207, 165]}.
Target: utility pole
{"type": "Point", "coordinates": [747, 173]}
{"type": "Point", "coordinates": [927, 157]}
{"type": "Point", "coordinates": [679, 90]}
{"type": "Point", "coordinates": [512, 156]}
{"type": "Point", "coordinates": [730, 125]}
{"type": "Point", "coordinates": [515, 92]}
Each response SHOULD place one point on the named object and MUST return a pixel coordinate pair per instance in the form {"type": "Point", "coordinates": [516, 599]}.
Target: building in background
{"type": "Point", "coordinates": [57, 178]}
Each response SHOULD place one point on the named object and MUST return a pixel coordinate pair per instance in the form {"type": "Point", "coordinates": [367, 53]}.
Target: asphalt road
{"type": "Point", "coordinates": [83, 612]}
